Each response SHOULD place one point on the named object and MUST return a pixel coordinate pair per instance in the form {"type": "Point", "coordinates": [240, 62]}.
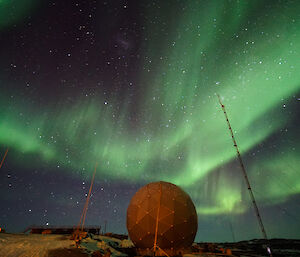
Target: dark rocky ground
{"type": "Point", "coordinates": [279, 247]}
{"type": "Point", "coordinates": [67, 253]}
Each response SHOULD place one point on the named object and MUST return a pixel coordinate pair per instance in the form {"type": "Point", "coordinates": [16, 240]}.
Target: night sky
{"type": "Point", "coordinates": [132, 85]}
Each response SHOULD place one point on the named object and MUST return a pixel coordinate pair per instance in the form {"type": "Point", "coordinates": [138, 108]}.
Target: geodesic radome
{"type": "Point", "coordinates": [177, 218]}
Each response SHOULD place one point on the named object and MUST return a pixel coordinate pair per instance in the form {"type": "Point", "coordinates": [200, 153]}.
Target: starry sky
{"type": "Point", "coordinates": [132, 85]}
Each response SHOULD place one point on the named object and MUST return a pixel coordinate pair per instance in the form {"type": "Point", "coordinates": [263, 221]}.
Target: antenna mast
{"type": "Point", "coordinates": [3, 158]}
{"type": "Point", "coordinates": [84, 211]}
{"type": "Point", "coordinates": [246, 179]}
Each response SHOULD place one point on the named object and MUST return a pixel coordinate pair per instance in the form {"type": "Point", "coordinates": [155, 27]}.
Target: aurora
{"type": "Point", "coordinates": [168, 125]}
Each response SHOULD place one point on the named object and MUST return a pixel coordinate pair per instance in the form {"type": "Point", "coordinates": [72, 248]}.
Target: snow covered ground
{"type": "Point", "coordinates": [38, 245]}
{"type": "Point", "coordinates": [35, 245]}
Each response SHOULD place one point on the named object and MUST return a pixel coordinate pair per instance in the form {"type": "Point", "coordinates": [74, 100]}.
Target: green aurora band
{"type": "Point", "coordinates": [179, 133]}
{"type": "Point", "coordinates": [14, 11]}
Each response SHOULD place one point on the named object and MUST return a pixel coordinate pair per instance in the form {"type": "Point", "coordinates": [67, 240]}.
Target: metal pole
{"type": "Point", "coordinates": [84, 211]}
{"type": "Point", "coordinates": [105, 222]}
{"type": "Point", "coordinates": [88, 197]}
{"type": "Point", "coordinates": [3, 158]}
{"type": "Point", "coordinates": [246, 178]}
{"type": "Point", "coordinates": [156, 225]}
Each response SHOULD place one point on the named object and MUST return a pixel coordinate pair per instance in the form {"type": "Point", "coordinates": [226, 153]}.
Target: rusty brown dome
{"type": "Point", "coordinates": [171, 207]}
